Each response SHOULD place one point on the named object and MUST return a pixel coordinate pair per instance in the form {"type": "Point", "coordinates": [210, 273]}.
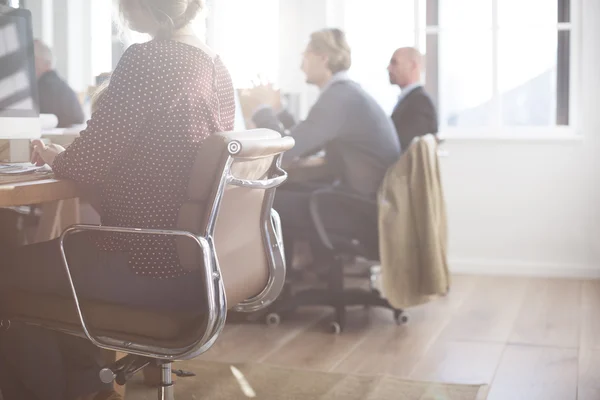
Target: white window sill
{"type": "Point", "coordinates": [535, 134]}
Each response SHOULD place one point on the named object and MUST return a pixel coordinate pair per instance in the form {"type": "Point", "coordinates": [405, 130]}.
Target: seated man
{"type": "Point", "coordinates": [415, 114]}
{"type": "Point", "coordinates": [55, 95]}
{"type": "Point", "coordinates": [358, 137]}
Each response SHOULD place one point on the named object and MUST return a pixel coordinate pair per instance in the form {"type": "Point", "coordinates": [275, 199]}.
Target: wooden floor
{"type": "Point", "coordinates": [530, 339]}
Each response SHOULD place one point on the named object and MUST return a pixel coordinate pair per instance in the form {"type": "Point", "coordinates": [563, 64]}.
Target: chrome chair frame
{"type": "Point", "coordinates": [217, 303]}
{"type": "Point", "coordinates": [214, 286]}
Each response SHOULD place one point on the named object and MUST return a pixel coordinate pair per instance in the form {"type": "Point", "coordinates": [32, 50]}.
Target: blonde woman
{"type": "Point", "coordinates": [164, 98]}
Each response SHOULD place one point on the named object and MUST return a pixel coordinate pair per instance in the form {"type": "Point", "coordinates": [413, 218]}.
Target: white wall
{"type": "Point", "coordinates": [297, 20]}
{"type": "Point", "coordinates": [520, 207]}
{"type": "Point", "coordinates": [531, 207]}
{"type": "Point", "coordinates": [517, 207]}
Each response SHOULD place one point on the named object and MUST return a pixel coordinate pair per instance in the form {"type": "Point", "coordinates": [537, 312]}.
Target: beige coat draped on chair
{"type": "Point", "coordinates": [413, 228]}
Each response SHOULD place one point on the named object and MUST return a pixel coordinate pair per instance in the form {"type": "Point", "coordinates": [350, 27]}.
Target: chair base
{"type": "Point", "coordinates": [125, 368]}
{"type": "Point", "coordinates": [166, 390]}
{"type": "Point", "coordinates": [333, 295]}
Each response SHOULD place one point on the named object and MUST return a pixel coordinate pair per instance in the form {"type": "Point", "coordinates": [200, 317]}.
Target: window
{"type": "Point", "coordinates": [490, 64]}
{"type": "Point", "coordinates": [393, 26]}
{"type": "Point", "coordinates": [246, 35]}
{"type": "Point", "coordinates": [100, 35]}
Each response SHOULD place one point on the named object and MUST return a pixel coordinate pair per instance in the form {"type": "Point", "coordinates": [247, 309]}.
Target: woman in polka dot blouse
{"type": "Point", "coordinates": [164, 98]}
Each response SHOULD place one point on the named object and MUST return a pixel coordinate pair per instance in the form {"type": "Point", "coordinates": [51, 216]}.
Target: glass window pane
{"type": "Point", "coordinates": [374, 32]}
{"type": "Point", "coordinates": [527, 76]}
{"type": "Point", "coordinates": [101, 37]}
{"type": "Point", "coordinates": [246, 36]}
{"type": "Point", "coordinates": [393, 14]}
{"type": "Point", "coordinates": [459, 13]}
{"type": "Point", "coordinates": [465, 78]}
{"type": "Point", "coordinates": [529, 13]}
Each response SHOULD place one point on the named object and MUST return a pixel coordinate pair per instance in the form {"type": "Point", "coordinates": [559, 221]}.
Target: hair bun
{"type": "Point", "coordinates": [171, 15]}
{"type": "Point", "coordinates": [191, 12]}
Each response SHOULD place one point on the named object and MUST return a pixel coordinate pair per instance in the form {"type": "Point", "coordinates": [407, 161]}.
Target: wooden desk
{"type": "Point", "coordinates": [36, 192]}
{"type": "Point", "coordinates": [60, 207]}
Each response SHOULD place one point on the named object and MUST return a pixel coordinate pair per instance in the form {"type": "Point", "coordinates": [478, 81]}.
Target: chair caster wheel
{"type": "Point", "coordinates": [400, 317]}
{"type": "Point", "coordinates": [4, 325]}
{"type": "Point", "coordinates": [273, 319]}
{"type": "Point", "coordinates": [335, 328]}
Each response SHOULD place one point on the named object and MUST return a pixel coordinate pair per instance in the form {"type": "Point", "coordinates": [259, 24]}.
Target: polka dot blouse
{"type": "Point", "coordinates": [164, 99]}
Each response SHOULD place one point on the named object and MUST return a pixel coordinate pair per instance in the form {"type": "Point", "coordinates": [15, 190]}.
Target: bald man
{"type": "Point", "coordinates": [55, 95]}
{"type": "Point", "coordinates": [414, 114]}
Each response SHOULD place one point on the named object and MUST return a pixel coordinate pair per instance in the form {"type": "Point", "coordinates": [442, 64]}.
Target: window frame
{"type": "Point", "coordinates": [571, 131]}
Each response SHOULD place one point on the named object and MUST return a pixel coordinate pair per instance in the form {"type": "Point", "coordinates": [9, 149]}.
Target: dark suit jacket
{"type": "Point", "coordinates": [414, 116]}
{"type": "Point", "coordinates": [56, 97]}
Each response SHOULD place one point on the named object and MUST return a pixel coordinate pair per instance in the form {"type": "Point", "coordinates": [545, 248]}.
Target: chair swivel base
{"type": "Point", "coordinates": [334, 295]}
{"type": "Point", "coordinates": [339, 301]}
{"type": "Point", "coordinates": [125, 368]}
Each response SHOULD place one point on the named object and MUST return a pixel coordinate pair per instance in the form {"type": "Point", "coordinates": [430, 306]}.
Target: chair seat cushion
{"type": "Point", "coordinates": [119, 322]}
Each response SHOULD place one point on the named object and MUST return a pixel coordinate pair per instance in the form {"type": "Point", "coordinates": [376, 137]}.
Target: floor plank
{"type": "Point", "coordinates": [590, 315]}
{"type": "Point", "coordinates": [468, 336]}
{"type": "Point", "coordinates": [459, 362]}
{"type": "Point", "coordinates": [536, 373]}
{"type": "Point", "coordinates": [589, 352]}
{"type": "Point", "coordinates": [489, 312]}
{"type": "Point", "coordinates": [393, 349]}
{"type": "Point", "coordinates": [254, 341]}
{"type": "Point", "coordinates": [396, 350]}
{"type": "Point", "coordinates": [589, 376]}
{"type": "Point", "coordinates": [316, 349]}
{"type": "Point", "coordinates": [550, 315]}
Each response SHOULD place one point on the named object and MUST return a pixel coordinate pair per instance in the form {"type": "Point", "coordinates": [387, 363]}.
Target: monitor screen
{"type": "Point", "coordinates": [18, 83]}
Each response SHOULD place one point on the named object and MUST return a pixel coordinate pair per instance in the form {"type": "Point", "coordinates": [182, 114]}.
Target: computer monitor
{"type": "Point", "coordinates": [19, 110]}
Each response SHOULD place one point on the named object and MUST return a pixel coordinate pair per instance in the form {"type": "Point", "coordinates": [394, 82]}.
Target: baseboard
{"type": "Point", "coordinates": [522, 268]}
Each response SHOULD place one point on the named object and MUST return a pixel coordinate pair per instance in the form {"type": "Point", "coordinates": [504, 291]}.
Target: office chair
{"type": "Point", "coordinates": [340, 242]}
{"type": "Point", "coordinates": [227, 229]}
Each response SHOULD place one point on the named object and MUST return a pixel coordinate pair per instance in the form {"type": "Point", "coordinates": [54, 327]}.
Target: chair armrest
{"type": "Point", "coordinates": [260, 184]}
{"type": "Point", "coordinates": [277, 269]}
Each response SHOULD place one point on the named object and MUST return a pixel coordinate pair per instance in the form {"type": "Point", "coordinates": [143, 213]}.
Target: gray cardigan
{"type": "Point", "coordinates": [359, 138]}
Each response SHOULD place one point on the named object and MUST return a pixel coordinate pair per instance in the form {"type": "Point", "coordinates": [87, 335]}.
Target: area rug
{"type": "Point", "coordinates": [219, 381]}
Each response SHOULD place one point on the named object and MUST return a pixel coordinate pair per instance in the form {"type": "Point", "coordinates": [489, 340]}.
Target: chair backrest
{"type": "Point", "coordinates": [230, 197]}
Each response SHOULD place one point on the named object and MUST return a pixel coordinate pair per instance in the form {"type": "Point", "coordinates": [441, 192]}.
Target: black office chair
{"type": "Point", "coordinates": [348, 233]}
